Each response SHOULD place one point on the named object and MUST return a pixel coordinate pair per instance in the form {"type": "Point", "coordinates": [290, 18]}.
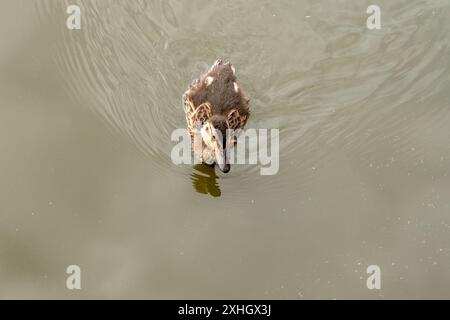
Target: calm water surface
{"type": "Point", "coordinates": [86, 176]}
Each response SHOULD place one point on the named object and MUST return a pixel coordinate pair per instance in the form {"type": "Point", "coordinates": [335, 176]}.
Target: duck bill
{"type": "Point", "coordinates": [221, 159]}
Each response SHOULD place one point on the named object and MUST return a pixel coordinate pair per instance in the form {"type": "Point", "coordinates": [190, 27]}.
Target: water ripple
{"type": "Point", "coordinates": [331, 84]}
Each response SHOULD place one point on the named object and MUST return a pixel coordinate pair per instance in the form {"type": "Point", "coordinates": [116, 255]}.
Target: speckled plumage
{"type": "Point", "coordinates": [216, 97]}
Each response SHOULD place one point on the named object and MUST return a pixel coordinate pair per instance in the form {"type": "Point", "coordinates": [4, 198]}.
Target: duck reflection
{"type": "Point", "coordinates": [205, 180]}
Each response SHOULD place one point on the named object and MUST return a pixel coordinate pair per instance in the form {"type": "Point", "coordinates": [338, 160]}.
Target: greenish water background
{"type": "Point", "coordinates": [86, 176]}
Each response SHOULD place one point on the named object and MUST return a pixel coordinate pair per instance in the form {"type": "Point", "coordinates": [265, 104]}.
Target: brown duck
{"type": "Point", "coordinates": [214, 103]}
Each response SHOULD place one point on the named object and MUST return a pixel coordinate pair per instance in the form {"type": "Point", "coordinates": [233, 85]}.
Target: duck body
{"type": "Point", "coordinates": [215, 104]}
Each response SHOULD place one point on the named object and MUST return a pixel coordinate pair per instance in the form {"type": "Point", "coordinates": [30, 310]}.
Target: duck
{"type": "Point", "coordinates": [215, 105]}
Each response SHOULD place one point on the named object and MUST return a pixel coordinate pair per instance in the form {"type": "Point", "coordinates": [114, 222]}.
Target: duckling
{"type": "Point", "coordinates": [213, 104]}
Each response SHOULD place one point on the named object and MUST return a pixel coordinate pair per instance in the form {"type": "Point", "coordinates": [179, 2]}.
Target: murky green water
{"type": "Point", "coordinates": [86, 176]}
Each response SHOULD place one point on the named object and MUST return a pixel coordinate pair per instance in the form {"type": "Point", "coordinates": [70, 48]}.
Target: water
{"type": "Point", "coordinates": [86, 179]}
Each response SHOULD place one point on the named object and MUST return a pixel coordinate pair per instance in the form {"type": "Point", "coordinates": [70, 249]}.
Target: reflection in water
{"type": "Point", "coordinates": [205, 181]}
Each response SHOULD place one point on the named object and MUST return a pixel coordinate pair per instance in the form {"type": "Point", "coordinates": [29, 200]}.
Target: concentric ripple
{"type": "Point", "coordinates": [330, 84]}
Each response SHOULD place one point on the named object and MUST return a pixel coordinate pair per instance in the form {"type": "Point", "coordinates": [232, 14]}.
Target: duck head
{"type": "Point", "coordinates": [214, 135]}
